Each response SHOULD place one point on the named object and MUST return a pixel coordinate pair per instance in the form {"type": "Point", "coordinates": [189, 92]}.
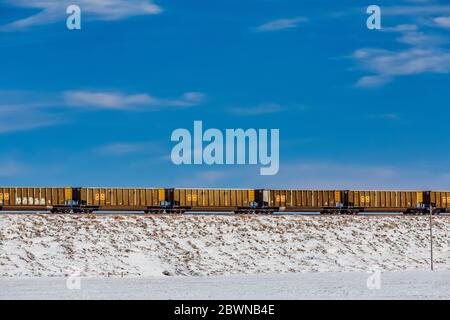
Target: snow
{"type": "Point", "coordinates": [216, 245]}
{"type": "Point", "coordinates": [222, 257]}
{"type": "Point", "coordinates": [337, 285]}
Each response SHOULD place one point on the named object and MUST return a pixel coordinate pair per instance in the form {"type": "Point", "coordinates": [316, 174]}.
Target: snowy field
{"type": "Point", "coordinates": [145, 246]}
{"type": "Point", "coordinates": [337, 285]}
{"type": "Point", "coordinates": [223, 257]}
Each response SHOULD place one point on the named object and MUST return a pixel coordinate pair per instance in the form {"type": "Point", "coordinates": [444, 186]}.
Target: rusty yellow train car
{"type": "Point", "coordinates": [385, 201]}
{"type": "Point", "coordinates": [31, 198]}
{"type": "Point", "coordinates": [214, 199]}
{"type": "Point", "coordinates": [302, 200]}
{"type": "Point", "coordinates": [122, 199]}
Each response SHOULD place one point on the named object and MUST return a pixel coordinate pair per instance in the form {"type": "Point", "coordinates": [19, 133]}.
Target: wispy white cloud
{"type": "Point", "coordinates": [106, 100]}
{"type": "Point", "coordinates": [19, 115]}
{"type": "Point", "coordinates": [427, 48]}
{"type": "Point", "coordinates": [372, 81]}
{"type": "Point", "coordinates": [121, 101]}
{"type": "Point", "coordinates": [411, 34]}
{"type": "Point", "coordinates": [386, 65]}
{"type": "Point", "coordinates": [265, 109]}
{"type": "Point", "coordinates": [442, 21]}
{"type": "Point", "coordinates": [320, 174]}
{"type": "Point", "coordinates": [390, 116]}
{"type": "Point", "coordinates": [30, 121]}
{"type": "Point", "coordinates": [418, 38]}
{"type": "Point", "coordinates": [416, 10]}
{"type": "Point", "coordinates": [281, 24]}
{"type": "Point", "coordinates": [11, 167]}
{"type": "Point", "coordinates": [268, 108]}
{"type": "Point", "coordinates": [23, 110]}
{"type": "Point", "coordinates": [401, 28]}
{"type": "Point", "coordinates": [52, 11]}
{"type": "Point", "coordinates": [123, 148]}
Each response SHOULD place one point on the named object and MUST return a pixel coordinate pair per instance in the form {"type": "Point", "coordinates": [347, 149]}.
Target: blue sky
{"type": "Point", "coordinates": [356, 108]}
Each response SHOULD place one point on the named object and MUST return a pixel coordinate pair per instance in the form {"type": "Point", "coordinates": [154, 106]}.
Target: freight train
{"type": "Point", "coordinates": [241, 201]}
